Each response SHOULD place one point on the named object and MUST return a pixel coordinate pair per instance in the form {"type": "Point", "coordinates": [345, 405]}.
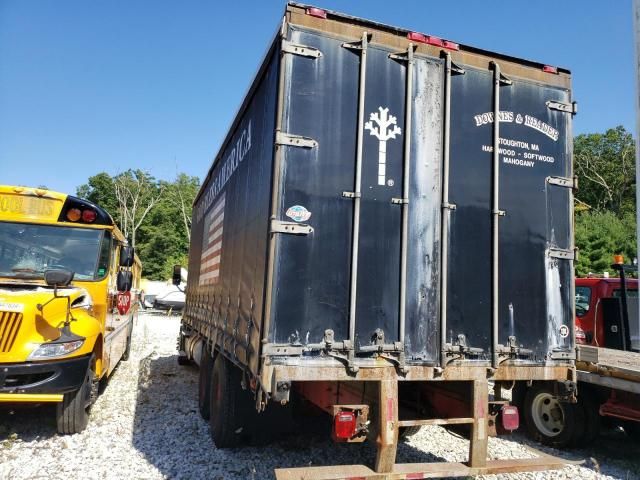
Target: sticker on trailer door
{"type": "Point", "coordinates": [298, 213]}
{"type": "Point", "coordinates": [564, 331]}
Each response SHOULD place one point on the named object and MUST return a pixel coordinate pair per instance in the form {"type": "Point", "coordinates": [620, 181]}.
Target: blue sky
{"type": "Point", "coordinates": [88, 86]}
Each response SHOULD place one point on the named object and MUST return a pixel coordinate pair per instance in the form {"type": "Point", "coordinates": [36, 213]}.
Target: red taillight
{"type": "Point", "coordinates": [74, 214]}
{"type": "Point", "coordinates": [431, 40]}
{"type": "Point", "coordinates": [549, 69]}
{"type": "Point", "coordinates": [316, 12]}
{"type": "Point", "coordinates": [510, 417]}
{"type": "Point", "coordinates": [89, 216]}
{"type": "Point", "coordinates": [344, 425]}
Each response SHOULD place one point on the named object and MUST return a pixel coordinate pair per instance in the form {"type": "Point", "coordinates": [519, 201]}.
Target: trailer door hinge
{"type": "Point", "coordinates": [561, 254]}
{"type": "Point", "coordinates": [291, 228]}
{"type": "Point", "coordinates": [295, 140]}
{"type": "Point", "coordinates": [563, 182]}
{"type": "Point", "coordinates": [571, 108]}
{"type": "Point", "coordinates": [302, 50]}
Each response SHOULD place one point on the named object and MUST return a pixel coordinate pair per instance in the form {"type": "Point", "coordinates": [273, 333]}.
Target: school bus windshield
{"type": "Point", "coordinates": [27, 250]}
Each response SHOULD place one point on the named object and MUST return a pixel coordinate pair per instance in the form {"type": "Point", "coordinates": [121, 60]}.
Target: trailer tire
{"type": "Point", "coordinates": [550, 421]}
{"type": "Point", "coordinates": [592, 418]}
{"type": "Point", "coordinates": [204, 384]}
{"type": "Point", "coordinates": [71, 414]}
{"type": "Point", "coordinates": [226, 405]}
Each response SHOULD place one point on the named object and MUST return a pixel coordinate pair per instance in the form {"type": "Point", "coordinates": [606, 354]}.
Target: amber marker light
{"type": "Point", "coordinates": [74, 214]}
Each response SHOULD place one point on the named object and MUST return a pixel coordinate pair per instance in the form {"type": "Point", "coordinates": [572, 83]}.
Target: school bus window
{"type": "Point", "coordinates": [28, 250]}
{"type": "Point", "coordinates": [105, 255]}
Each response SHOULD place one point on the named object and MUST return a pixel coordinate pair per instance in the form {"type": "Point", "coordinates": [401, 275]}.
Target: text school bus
{"type": "Point", "coordinates": [67, 301]}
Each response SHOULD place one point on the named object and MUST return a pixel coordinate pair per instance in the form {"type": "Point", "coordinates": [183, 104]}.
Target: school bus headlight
{"type": "Point", "coordinates": [52, 350]}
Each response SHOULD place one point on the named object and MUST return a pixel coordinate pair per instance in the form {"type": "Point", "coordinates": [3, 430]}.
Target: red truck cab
{"type": "Point", "coordinates": [590, 325]}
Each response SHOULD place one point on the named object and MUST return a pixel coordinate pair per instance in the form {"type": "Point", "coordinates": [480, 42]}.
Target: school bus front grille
{"type": "Point", "coordinates": [9, 326]}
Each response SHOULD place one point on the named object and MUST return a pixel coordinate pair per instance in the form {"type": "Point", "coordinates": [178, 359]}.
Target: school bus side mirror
{"type": "Point", "coordinates": [177, 275]}
{"type": "Point", "coordinates": [126, 256]}
{"type": "Point", "coordinates": [124, 281]}
{"type": "Point", "coordinates": [59, 277]}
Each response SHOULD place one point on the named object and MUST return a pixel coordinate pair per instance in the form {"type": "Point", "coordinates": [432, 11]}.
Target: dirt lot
{"type": "Point", "coordinates": [145, 425]}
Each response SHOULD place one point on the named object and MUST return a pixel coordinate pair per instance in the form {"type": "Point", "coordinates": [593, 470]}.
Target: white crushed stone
{"type": "Point", "coordinates": [146, 425]}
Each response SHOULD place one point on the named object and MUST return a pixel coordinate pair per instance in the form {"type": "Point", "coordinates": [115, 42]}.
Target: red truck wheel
{"type": "Point", "coordinates": [550, 421]}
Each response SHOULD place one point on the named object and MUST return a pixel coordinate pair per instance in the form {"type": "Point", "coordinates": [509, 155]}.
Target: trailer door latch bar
{"type": "Point", "coordinates": [291, 228]}
{"type": "Point", "coordinates": [564, 182]}
{"type": "Point", "coordinates": [302, 50]}
{"type": "Point", "coordinates": [295, 140]}
{"type": "Point", "coordinates": [571, 108]}
{"type": "Point", "coordinates": [561, 254]}
{"type": "Point", "coordinates": [351, 194]}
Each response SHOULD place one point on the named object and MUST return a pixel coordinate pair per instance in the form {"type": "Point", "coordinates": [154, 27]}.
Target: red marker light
{"type": "Point", "coordinates": [74, 214]}
{"type": "Point", "coordinates": [550, 69]}
{"type": "Point", "coordinates": [431, 40]}
{"type": "Point", "coordinates": [510, 417]}
{"type": "Point", "coordinates": [89, 216]}
{"type": "Point", "coordinates": [344, 425]}
{"type": "Point", "coordinates": [316, 12]}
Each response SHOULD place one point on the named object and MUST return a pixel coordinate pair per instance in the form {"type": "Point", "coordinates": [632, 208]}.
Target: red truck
{"type": "Point", "coordinates": [608, 367]}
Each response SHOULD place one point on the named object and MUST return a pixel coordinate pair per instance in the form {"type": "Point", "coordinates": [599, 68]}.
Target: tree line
{"type": "Point", "coordinates": [155, 215]}
{"type": "Point", "coordinates": [605, 164]}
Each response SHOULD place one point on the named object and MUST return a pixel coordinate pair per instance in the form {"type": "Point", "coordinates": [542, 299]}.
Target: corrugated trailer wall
{"type": "Point", "coordinates": [227, 257]}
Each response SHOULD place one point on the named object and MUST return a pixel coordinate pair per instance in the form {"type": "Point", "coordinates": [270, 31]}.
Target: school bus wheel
{"type": "Point", "coordinates": [71, 414]}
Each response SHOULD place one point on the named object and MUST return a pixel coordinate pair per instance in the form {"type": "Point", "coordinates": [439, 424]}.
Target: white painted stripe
{"type": "Point", "coordinates": [213, 261]}
{"type": "Point", "coordinates": [210, 250]}
{"type": "Point", "coordinates": [213, 274]}
{"type": "Point", "coordinates": [216, 222]}
{"type": "Point", "coordinates": [215, 234]}
{"type": "Point", "coordinates": [217, 207]}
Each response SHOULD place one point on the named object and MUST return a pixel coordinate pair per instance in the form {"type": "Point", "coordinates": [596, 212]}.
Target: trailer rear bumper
{"type": "Point", "coordinates": [476, 414]}
{"type": "Point", "coordinates": [327, 371]}
{"type": "Point", "coordinates": [412, 471]}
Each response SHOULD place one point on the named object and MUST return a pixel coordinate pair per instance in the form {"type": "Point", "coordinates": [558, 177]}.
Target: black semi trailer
{"type": "Point", "coordinates": [386, 229]}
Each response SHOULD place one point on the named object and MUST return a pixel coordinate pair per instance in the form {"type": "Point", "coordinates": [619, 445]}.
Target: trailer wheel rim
{"type": "Point", "coordinates": [548, 414]}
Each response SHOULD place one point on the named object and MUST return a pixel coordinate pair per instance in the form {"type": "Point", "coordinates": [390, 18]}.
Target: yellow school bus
{"type": "Point", "coordinates": [68, 298]}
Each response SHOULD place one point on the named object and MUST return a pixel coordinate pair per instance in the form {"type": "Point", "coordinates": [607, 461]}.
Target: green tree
{"type": "Point", "coordinates": [605, 166]}
{"type": "Point", "coordinates": [600, 235]}
{"type": "Point", "coordinates": [166, 234]}
{"type": "Point", "coordinates": [154, 214]}
{"type": "Point", "coordinates": [100, 190]}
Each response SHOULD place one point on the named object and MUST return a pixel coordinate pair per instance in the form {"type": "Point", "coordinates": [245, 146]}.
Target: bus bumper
{"type": "Point", "coordinates": [41, 381]}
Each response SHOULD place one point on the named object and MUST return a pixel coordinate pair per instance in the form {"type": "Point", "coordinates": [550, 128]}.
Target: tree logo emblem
{"type": "Point", "coordinates": [383, 132]}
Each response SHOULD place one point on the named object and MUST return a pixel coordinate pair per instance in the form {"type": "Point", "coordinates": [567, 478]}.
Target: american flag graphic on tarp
{"type": "Point", "coordinates": [212, 244]}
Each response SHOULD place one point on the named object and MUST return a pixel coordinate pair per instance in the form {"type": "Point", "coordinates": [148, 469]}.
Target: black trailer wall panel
{"type": "Point", "coordinates": [229, 264]}
{"type": "Point", "coordinates": [230, 225]}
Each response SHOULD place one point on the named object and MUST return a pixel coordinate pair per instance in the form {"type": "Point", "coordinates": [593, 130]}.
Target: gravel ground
{"type": "Point", "coordinates": [146, 425]}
